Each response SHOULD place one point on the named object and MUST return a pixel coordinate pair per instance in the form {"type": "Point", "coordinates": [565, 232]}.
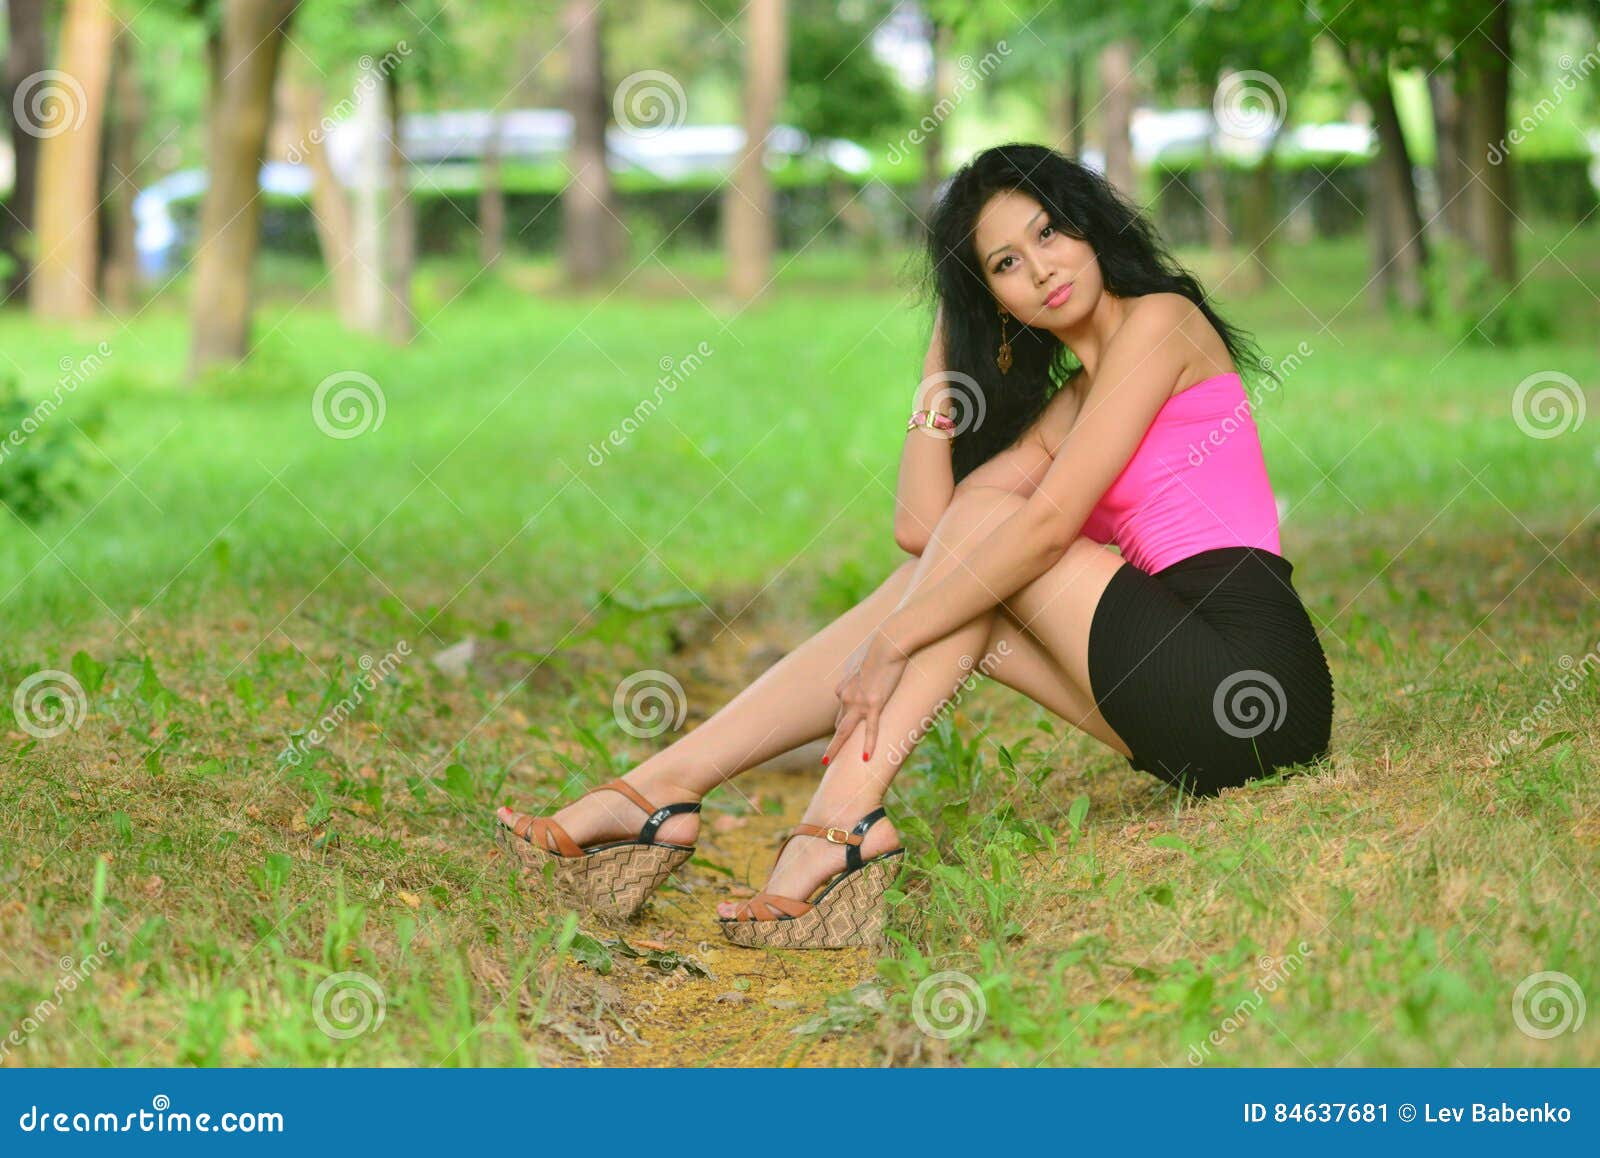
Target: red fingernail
{"type": "Point", "coordinates": [863, 755]}
{"type": "Point", "coordinates": [824, 761]}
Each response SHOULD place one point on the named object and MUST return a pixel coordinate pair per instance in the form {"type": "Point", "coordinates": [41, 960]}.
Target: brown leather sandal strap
{"type": "Point", "coordinates": [630, 792]}
{"type": "Point", "coordinates": [565, 845]}
{"type": "Point", "coordinates": [771, 904]}
{"type": "Point", "coordinates": [829, 833]}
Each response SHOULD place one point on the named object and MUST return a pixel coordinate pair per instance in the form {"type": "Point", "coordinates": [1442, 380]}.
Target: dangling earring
{"type": "Point", "coordinates": [1003, 355]}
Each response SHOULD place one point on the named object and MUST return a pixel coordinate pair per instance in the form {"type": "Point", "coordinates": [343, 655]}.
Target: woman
{"type": "Point", "coordinates": [1080, 394]}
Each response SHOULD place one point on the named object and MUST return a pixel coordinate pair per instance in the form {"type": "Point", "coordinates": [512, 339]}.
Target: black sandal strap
{"type": "Point", "coordinates": [647, 834]}
{"type": "Point", "coordinates": [852, 852]}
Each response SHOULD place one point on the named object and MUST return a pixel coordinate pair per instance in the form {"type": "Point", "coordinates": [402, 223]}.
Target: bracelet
{"type": "Point", "coordinates": [930, 418]}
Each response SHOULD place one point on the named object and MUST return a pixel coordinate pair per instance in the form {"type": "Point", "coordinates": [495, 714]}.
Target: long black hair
{"type": "Point", "coordinates": [1081, 203]}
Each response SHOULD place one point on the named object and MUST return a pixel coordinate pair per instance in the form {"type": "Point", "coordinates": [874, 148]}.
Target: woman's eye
{"type": "Point", "coordinates": [1047, 229]}
{"type": "Point", "coordinates": [1001, 268]}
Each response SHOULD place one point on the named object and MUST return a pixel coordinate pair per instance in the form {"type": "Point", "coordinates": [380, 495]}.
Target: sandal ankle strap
{"type": "Point", "coordinates": [851, 839]}
{"type": "Point", "coordinates": [647, 832]}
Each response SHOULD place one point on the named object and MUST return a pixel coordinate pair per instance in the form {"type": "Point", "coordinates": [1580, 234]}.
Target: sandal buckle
{"type": "Point", "coordinates": [842, 838]}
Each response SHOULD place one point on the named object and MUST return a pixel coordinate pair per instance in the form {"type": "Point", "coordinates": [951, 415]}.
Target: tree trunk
{"type": "Point", "coordinates": [1259, 225]}
{"type": "Point", "coordinates": [65, 273]}
{"type": "Point", "coordinates": [1118, 95]}
{"type": "Point", "coordinates": [303, 101]}
{"type": "Point", "coordinates": [1489, 197]}
{"type": "Point", "coordinates": [492, 198]}
{"type": "Point", "coordinates": [1395, 184]}
{"type": "Point", "coordinates": [748, 205]}
{"type": "Point", "coordinates": [125, 125]}
{"type": "Point", "coordinates": [366, 238]}
{"type": "Point", "coordinates": [1451, 218]}
{"type": "Point", "coordinates": [591, 231]}
{"type": "Point", "coordinates": [941, 83]}
{"type": "Point", "coordinates": [1213, 191]}
{"type": "Point", "coordinates": [1380, 287]}
{"type": "Point", "coordinates": [245, 58]}
{"type": "Point", "coordinates": [400, 227]}
{"type": "Point", "coordinates": [25, 57]}
{"type": "Point", "coordinates": [1072, 104]}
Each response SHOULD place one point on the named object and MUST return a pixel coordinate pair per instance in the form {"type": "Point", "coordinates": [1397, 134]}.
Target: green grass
{"type": "Point", "coordinates": [229, 563]}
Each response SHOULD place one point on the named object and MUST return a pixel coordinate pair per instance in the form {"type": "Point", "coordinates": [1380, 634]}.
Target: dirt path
{"type": "Point", "coordinates": [743, 1009]}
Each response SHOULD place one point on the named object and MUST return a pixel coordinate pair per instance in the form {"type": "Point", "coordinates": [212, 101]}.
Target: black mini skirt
{"type": "Point", "coordinates": [1210, 669]}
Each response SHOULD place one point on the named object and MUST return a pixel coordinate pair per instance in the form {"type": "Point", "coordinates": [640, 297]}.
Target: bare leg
{"type": "Point", "coordinates": [792, 703]}
{"type": "Point", "coordinates": [1057, 607]}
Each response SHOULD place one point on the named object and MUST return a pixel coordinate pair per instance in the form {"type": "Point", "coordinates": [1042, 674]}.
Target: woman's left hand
{"type": "Point", "coordinates": [865, 689]}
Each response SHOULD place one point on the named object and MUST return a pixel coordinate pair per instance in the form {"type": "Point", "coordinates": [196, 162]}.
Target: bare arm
{"type": "Point", "coordinates": [926, 479]}
{"type": "Point", "coordinates": [1142, 363]}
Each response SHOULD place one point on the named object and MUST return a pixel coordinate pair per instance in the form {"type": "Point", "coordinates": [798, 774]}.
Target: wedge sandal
{"type": "Point", "coordinates": [847, 911]}
{"type": "Point", "coordinates": [613, 878]}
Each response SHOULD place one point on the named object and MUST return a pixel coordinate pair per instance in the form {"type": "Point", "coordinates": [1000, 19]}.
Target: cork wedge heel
{"type": "Point", "coordinates": [614, 878]}
{"type": "Point", "coordinates": [847, 912]}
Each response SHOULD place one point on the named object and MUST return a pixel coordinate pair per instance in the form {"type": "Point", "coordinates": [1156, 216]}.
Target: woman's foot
{"type": "Point", "coordinates": [807, 862]}
{"type": "Point", "coordinates": [599, 817]}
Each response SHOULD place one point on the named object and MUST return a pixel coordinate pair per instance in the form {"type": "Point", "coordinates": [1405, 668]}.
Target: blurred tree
{"type": "Point", "coordinates": [593, 241]}
{"type": "Point", "coordinates": [401, 49]}
{"type": "Point", "coordinates": [70, 121]}
{"type": "Point", "coordinates": [119, 272]}
{"type": "Point", "coordinates": [244, 46]}
{"type": "Point", "coordinates": [25, 58]}
{"type": "Point", "coordinates": [748, 205]}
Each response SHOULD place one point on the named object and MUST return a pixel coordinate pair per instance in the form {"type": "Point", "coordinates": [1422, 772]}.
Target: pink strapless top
{"type": "Point", "coordinates": [1197, 480]}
